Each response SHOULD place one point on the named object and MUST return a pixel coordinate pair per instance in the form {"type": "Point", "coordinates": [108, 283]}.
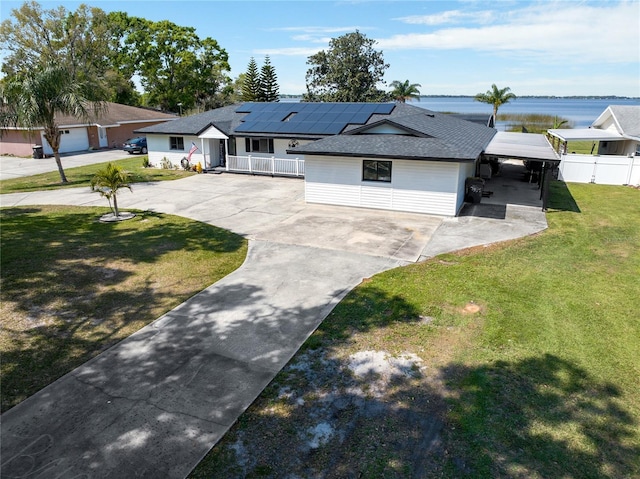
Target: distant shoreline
{"type": "Point", "coordinates": [548, 97]}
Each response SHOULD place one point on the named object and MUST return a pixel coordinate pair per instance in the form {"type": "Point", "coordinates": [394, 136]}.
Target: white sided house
{"type": "Point", "coordinates": [615, 155]}
{"type": "Point", "coordinates": [371, 155]}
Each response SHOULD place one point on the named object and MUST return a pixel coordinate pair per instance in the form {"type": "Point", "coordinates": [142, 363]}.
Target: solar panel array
{"type": "Point", "coordinates": [307, 118]}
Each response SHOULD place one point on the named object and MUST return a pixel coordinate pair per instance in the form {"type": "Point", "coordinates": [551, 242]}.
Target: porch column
{"type": "Point", "coordinates": [204, 156]}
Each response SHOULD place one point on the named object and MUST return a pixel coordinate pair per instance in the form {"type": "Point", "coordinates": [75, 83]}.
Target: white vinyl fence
{"type": "Point", "coordinates": [266, 165]}
{"type": "Point", "coordinates": [603, 170]}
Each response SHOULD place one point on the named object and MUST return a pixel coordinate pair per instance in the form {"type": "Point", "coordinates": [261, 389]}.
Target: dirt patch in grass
{"type": "Point", "coordinates": [343, 409]}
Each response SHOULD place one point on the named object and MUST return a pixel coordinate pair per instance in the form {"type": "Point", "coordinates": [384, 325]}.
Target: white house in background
{"type": "Point", "coordinates": [615, 156]}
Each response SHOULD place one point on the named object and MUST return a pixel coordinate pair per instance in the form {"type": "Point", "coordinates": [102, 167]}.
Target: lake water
{"type": "Point", "coordinates": [580, 112]}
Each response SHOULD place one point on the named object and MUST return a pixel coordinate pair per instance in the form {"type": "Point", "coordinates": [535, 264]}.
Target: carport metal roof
{"type": "Point", "coordinates": [521, 146]}
{"type": "Point", "coordinates": [592, 134]}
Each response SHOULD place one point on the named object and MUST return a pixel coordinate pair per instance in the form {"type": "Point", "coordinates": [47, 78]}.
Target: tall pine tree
{"type": "Point", "coordinates": [251, 84]}
{"type": "Point", "coordinates": [269, 89]}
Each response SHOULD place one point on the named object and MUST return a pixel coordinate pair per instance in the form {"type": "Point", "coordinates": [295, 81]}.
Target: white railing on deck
{"type": "Point", "coordinates": [261, 165]}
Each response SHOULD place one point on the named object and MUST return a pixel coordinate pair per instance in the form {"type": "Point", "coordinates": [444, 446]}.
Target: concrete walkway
{"type": "Point", "coordinates": [153, 405]}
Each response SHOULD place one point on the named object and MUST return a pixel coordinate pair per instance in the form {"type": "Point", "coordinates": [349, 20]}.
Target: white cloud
{"type": "Point", "coordinates": [450, 16]}
{"type": "Point", "coordinates": [552, 32]}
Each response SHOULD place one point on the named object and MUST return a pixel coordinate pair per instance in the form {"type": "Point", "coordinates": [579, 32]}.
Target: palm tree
{"type": "Point", "coordinates": [34, 99]}
{"type": "Point", "coordinates": [108, 181]}
{"type": "Point", "coordinates": [496, 97]}
{"type": "Point", "coordinates": [403, 91]}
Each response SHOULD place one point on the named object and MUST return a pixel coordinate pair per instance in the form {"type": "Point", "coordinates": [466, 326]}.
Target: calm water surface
{"type": "Point", "coordinates": [580, 112]}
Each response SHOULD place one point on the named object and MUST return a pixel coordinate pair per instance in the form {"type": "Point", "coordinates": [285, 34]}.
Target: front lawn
{"type": "Point", "coordinates": [81, 176]}
{"type": "Point", "coordinates": [516, 360]}
{"type": "Point", "coordinates": [72, 286]}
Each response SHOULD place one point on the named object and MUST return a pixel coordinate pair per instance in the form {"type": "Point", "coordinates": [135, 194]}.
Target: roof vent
{"type": "Point", "coordinates": [431, 115]}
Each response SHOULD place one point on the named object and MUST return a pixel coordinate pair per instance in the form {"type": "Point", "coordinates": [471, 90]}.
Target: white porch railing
{"type": "Point", "coordinates": [266, 165]}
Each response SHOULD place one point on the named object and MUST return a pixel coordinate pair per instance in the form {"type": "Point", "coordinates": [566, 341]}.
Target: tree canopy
{"type": "Point", "coordinates": [251, 82]}
{"type": "Point", "coordinates": [496, 97]}
{"type": "Point", "coordinates": [403, 91]}
{"type": "Point", "coordinates": [260, 85]}
{"type": "Point", "coordinates": [269, 89]}
{"type": "Point", "coordinates": [108, 51]}
{"type": "Point", "coordinates": [34, 98]}
{"type": "Point", "coordinates": [350, 70]}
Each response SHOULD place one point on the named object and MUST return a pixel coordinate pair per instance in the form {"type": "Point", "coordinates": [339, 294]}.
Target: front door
{"type": "Point", "coordinates": [102, 135]}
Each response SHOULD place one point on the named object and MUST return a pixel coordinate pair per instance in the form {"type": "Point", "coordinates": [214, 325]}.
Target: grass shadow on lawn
{"type": "Point", "coordinates": [72, 286]}
{"type": "Point", "coordinates": [561, 199]}
{"type": "Point", "coordinates": [537, 417]}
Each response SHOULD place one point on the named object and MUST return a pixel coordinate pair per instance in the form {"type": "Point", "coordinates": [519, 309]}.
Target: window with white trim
{"type": "Point", "coordinates": [376, 170]}
{"type": "Point", "coordinates": [259, 145]}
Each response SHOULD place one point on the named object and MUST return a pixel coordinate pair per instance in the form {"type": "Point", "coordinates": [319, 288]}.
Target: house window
{"type": "Point", "coordinates": [374, 170]}
{"type": "Point", "coordinates": [176, 143]}
{"type": "Point", "coordinates": [259, 145]}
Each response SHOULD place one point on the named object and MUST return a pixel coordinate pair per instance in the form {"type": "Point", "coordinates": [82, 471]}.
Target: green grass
{"type": "Point", "coordinates": [582, 147]}
{"type": "Point", "coordinates": [532, 122]}
{"type": "Point", "coordinates": [72, 286]}
{"type": "Point", "coordinates": [81, 176]}
{"type": "Point", "coordinates": [542, 381]}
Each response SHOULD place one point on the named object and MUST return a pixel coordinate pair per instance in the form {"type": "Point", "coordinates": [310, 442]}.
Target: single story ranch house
{"type": "Point", "coordinates": [373, 155]}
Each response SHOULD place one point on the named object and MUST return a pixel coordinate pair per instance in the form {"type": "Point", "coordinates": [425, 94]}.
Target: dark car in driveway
{"type": "Point", "coordinates": [136, 145]}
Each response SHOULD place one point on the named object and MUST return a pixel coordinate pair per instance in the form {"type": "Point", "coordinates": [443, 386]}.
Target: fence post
{"type": "Point", "coordinates": [297, 168]}
{"type": "Point", "coordinates": [250, 170]}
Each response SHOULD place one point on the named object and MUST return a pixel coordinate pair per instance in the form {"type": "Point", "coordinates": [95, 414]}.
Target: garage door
{"type": "Point", "coordinates": [72, 139]}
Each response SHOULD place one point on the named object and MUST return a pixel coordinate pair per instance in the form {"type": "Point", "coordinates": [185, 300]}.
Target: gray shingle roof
{"type": "Point", "coordinates": [441, 136]}
{"type": "Point", "coordinates": [225, 119]}
{"type": "Point", "coordinates": [628, 117]}
{"type": "Point", "coordinates": [429, 134]}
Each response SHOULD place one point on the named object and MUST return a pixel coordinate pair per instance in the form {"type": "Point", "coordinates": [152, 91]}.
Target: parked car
{"type": "Point", "coordinates": [136, 145]}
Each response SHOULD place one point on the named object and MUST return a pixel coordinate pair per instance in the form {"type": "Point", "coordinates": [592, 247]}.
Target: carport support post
{"type": "Point", "coordinates": [545, 184]}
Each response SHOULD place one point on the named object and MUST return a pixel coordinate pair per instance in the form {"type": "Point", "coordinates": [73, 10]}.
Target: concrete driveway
{"type": "Point", "coordinates": [16, 167]}
{"type": "Point", "coordinates": [265, 208]}
{"type": "Point", "coordinates": [156, 403]}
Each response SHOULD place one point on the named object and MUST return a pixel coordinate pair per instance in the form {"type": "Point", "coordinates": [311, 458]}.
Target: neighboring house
{"type": "Point", "coordinates": [375, 155]}
{"type": "Point", "coordinates": [110, 130]}
{"type": "Point", "coordinates": [615, 156]}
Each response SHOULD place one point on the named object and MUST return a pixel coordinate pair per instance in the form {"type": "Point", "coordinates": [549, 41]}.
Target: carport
{"type": "Point", "coordinates": [527, 147]}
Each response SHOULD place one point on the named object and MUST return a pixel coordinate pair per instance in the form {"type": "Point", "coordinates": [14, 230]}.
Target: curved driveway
{"type": "Point", "coordinates": [154, 404]}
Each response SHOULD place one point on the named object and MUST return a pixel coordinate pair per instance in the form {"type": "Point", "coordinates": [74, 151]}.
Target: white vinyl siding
{"type": "Point", "coordinates": [416, 186]}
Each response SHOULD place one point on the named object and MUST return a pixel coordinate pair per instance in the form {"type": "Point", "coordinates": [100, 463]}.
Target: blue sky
{"type": "Point", "coordinates": [449, 47]}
